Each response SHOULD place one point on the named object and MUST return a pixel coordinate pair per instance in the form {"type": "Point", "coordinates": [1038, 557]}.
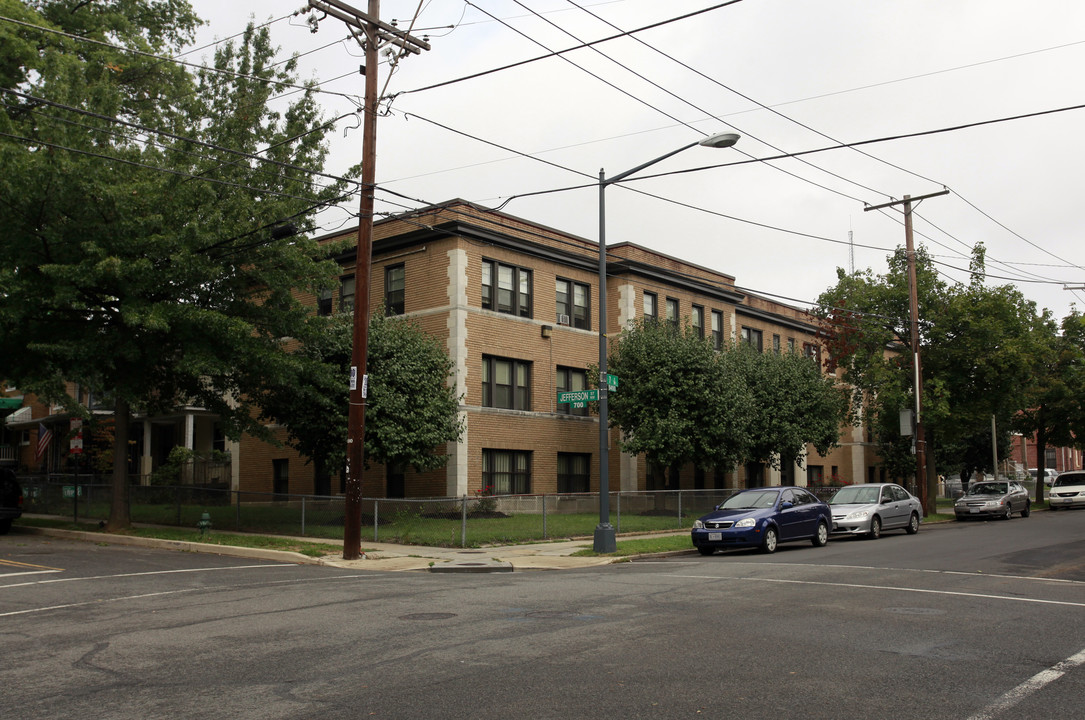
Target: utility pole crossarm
{"type": "Point", "coordinates": [353, 16]}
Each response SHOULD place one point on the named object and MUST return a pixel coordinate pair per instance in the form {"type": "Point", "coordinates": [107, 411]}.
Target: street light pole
{"type": "Point", "coordinates": [605, 540]}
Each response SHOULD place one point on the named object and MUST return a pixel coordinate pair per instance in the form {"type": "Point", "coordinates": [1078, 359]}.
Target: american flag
{"type": "Point", "coordinates": [44, 436]}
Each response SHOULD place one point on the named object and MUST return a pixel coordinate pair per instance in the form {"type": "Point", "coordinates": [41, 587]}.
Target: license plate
{"type": "Point", "coordinates": [715, 537]}
{"type": "Point", "coordinates": [974, 510]}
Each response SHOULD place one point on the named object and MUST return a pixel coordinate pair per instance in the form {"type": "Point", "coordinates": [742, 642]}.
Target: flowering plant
{"type": "Point", "coordinates": [485, 502]}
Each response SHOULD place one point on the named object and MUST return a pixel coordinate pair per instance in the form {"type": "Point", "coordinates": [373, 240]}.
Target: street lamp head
{"type": "Point", "coordinates": [720, 140]}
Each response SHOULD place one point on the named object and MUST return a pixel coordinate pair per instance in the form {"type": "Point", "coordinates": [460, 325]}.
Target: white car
{"type": "Point", "coordinates": [1067, 491]}
{"type": "Point", "coordinates": [1049, 475]}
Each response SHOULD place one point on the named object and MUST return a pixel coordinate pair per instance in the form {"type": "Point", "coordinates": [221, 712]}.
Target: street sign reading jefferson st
{"type": "Point", "coordinates": [578, 396]}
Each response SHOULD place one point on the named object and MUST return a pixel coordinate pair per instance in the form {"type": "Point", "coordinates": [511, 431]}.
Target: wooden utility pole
{"type": "Point", "coordinates": [922, 480]}
{"type": "Point", "coordinates": [372, 33]}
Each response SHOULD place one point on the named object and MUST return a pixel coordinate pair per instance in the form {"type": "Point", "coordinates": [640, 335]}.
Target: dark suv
{"type": "Point", "coordinates": [11, 500]}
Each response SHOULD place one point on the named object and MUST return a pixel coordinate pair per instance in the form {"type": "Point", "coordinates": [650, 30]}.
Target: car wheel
{"type": "Point", "coordinates": [875, 528]}
{"type": "Point", "coordinates": [5, 525]}
{"type": "Point", "coordinates": [821, 537]}
{"type": "Point", "coordinates": [706, 550]}
{"type": "Point", "coordinates": [768, 545]}
{"type": "Point", "coordinates": [1027, 511]}
{"type": "Point", "coordinates": [913, 524]}
{"type": "Point", "coordinates": [1009, 512]}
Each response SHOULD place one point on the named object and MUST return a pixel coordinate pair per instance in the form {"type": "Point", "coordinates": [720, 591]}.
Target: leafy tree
{"type": "Point", "coordinates": [411, 410]}
{"type": "Point", "coordinates": [976, 346]}
{"type": "Point", "coordinates": [795, 404]}
{"type": "Point", "coordinates": [1055, 400]}
{"type": "Point", "coordinates": [138, 257]}
{"type": "Point", "coordinates": [679, 401]}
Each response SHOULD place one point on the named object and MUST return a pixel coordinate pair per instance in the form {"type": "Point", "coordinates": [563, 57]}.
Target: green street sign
{"type": "Point", "coordinates": [612, 382]}
{"type": "Point", "coordinates": [68, 491]}
{"type": "Point", "coordinates": [578, 396]}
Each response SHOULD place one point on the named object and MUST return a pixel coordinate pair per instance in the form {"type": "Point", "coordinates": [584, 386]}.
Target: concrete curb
{"type": "Point", "coordinates": [177, 545]}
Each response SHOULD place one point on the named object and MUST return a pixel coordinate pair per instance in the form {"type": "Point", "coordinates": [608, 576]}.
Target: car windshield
{"type": "Point", "coordinates": [988, 489]}
{"type": "Point", "coordinates": [746, 500]}
{"type": "Point", "coordinates": [855, 496]}
{"type": "Point", "coordinates": [1068, 480]}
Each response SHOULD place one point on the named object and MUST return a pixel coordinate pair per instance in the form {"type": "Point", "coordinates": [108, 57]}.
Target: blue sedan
{"type": "Point", "coordinates": [763, 518]}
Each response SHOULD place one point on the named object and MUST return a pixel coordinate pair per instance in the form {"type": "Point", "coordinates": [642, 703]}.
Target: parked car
{"type": "Point", "coordinates": [870, 508]}
{"type": "Point", "coordinates": [763, 518]}
{"type": "Point", "coordinates": [11, 500]}
{"type": "Point", "coordinates": [993, 499]}
{"type": "Point", "coordinates": [1068, 490]}
{"type": "Point", "coordinates": [1049, 475]}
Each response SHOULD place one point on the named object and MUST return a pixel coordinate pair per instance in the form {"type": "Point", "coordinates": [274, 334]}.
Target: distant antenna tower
{"type": "Point", "coordinates": [851, 254]}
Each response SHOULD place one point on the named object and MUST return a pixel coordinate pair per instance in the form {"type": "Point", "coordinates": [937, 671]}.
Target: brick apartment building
{"type": "Point", "coordinates": [514, 304]}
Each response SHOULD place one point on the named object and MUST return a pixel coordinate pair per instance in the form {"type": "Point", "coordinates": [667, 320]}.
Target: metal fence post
{"type": "Point", "coordinates": [545, 536]}
{"type": "Point", "coordinates": [463, 521]}
{"type": "Point", "coordinates": [237, 520]}
{"type": "Point", "coordinates": [303, 516]}
{"type": "Point", "coordinates": [376, 521]}
{"type": "Point", "coordinates": [618, 510]}
{"type": "Point", "coordinates": [679, 508]}
{"type": "Point", "coordinates": [178, 496]}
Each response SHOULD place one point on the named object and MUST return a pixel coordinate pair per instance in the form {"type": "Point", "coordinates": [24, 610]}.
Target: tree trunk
{"type": "Point", "coordinates": [1041, 454]}
{"type": "Point", "coordinates": [119, 517]}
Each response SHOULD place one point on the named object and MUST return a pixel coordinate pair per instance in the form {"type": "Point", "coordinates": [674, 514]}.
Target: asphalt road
{"type": "Point", "coordinates": [972, 620]}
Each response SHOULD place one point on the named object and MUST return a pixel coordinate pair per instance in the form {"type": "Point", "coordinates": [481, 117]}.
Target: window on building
{"type": "Point", "coordinates": [812, 351]}
{"type": "Point", "coordinates": [568, 379]}
{"type": "Point", "coordinates": [815, 475]}
{"type": "Point", "coordinates": [394, 289]}
{"type": "Point", "coordinates": [752, 337]}
{"type": "Point", "coordinates": [791, 345]}
{"type": "Point", "coordinates": [573, 302]}
{"type": "Point", "coordinates": [280, 477]}
{"type": "Point", "coordinates": [651, 306]}
{"type": "Point", "coordinates": [506, 288]}
{"type": "Point", "coordinates": [672, 312]}
{"type": "Point", "coordinates": [717, 329]}
{"type": "Point", "coordinates": [508, 472]}
{"type": "Point", "coordinates": [506, 383]}
{"type": "Point", "coordinates": [776, 343]}
{"type": "Point", "coordinates": [324, 302]}
{"type": "Point", "coordinates": [573, 472]}
{"type": "Point", "coordinates": [696, 319]}
{"type": "Point", "coordinates": [346, 295]}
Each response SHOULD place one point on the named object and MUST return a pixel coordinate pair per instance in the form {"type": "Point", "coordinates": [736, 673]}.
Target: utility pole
{"type": "Point", "coordinates": [922, 481]}
{"type": "Point", "coordinates": [370, 32]}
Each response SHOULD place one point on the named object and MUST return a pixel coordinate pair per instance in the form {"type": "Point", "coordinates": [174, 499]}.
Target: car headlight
{"type": "Point", "coordinates": [698, 525]}
{"type": "Point", "coordinates": [858, 515]}
{"type": "Point", "coordinates": [991, 504]}
{"type": "Point", "coordinates": [746, 522]}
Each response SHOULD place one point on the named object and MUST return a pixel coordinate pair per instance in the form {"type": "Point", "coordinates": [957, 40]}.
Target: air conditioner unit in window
{"type": "Point", "coordinates": [563, 319]}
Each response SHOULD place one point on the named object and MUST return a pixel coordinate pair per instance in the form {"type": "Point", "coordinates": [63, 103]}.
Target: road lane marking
{"type": "Point", "coordinates": [915, 570]}
{"type": "Point", "coordinates": [16, 563]}
{"type": "Point", "coordinates": [101, 601]}
{"type": "Point", "coordinates": [859, 586]}
{"type": "Point", "coordinates": [149, 572]}
{"type": "Point", "coordinates": [1033, 684]}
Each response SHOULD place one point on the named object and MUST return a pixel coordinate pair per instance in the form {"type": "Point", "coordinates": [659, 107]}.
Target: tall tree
{"type": "Point", "coordinates": [1054, 409]}
{"type": "Point", "coordinates": [679, 401]}
{"type": "Point", "coordinates": [976, 345]}
{"type": "Point", "coordinates": [143, 255]}
{"type": "Point", "coordinates": [411, 410]}
{"type": "Point", "coordinates": [794, 402]}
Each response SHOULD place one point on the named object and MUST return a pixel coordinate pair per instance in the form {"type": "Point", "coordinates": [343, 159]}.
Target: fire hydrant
{"type": "Point", "coordinates": [204, 523]}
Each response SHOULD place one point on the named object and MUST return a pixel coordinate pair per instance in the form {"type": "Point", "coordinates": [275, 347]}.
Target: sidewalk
{"type": "Point", "coordinates": [387, 557]}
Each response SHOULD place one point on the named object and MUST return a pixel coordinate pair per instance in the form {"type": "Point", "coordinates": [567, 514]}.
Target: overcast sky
{"type": "Point", "coordinates": [788, 75]}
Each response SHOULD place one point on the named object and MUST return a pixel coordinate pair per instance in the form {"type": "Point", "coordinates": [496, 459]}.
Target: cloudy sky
{"type": "Point", "coordinates": [789, 75]}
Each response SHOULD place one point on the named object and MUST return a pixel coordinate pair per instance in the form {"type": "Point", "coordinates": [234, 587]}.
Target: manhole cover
{"type": "Point", "coordinates": [427, 616]}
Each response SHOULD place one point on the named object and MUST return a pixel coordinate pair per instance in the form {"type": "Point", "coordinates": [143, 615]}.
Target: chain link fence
{"type": "Point", "coordinates": [448, 522]}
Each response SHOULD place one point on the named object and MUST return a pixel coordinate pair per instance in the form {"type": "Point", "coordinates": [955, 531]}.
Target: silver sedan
{"type": "Point", "coordinates": [869, 508]}
{"type": "Point", "coordinates": [993, 499]}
